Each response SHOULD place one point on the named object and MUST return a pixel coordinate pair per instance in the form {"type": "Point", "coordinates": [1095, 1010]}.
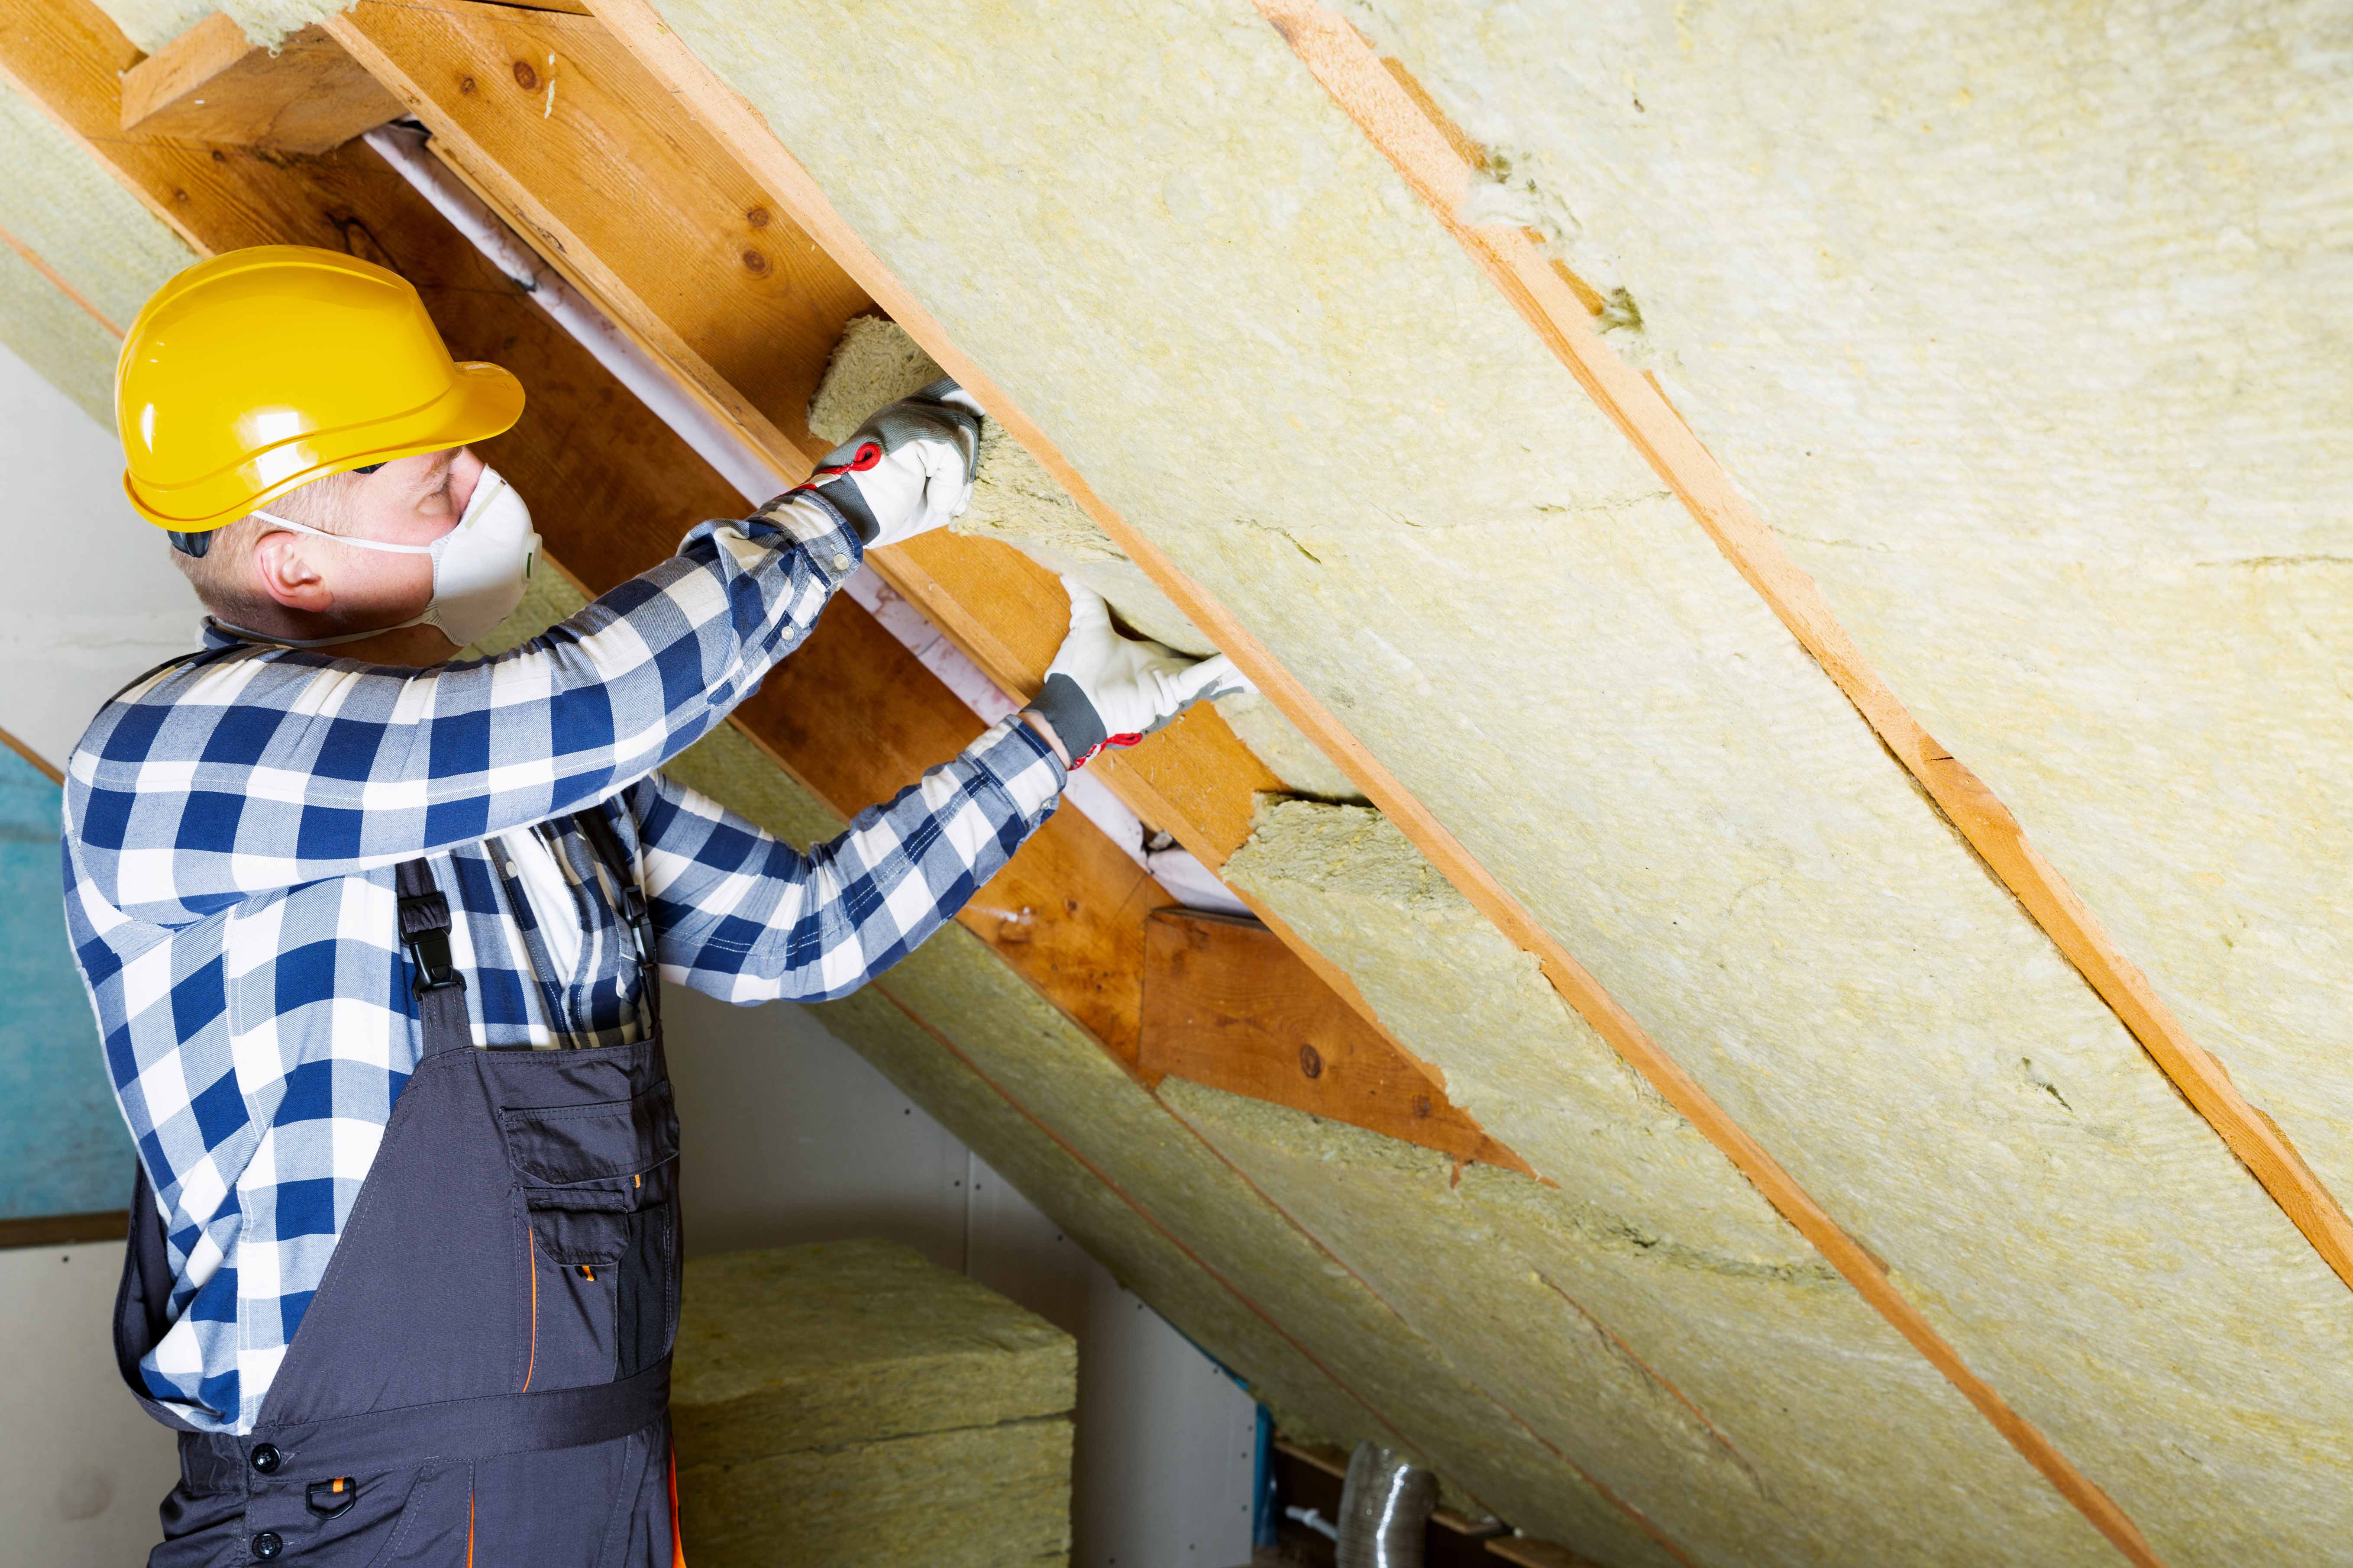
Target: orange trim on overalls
{"type": "Point", "coordinates": [531, 1267]}
{"type": "Point", "coordinates": [677, 1546]}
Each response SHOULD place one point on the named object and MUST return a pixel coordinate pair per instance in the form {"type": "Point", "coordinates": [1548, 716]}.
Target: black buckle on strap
{"type": "Point", "coordinates": [425, 928]}
{"type": "Point", "coordinates": [331, 1499]}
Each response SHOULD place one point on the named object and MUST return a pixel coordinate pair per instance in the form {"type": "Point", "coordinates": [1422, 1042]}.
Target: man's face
{"type": "Point", "coordinates": [412, 500]}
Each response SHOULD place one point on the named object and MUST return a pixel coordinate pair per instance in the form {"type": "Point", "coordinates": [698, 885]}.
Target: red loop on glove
{"type": "Point", "coordinates": [869, 454]}
{"type": "Point", "coordinates": [1130, 739]}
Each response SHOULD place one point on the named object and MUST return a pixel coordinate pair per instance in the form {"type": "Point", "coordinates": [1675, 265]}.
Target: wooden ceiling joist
{"type": "Point", "coordinates": [1439, 162]}
{"type": "Point", "coordinates": [739, 129]}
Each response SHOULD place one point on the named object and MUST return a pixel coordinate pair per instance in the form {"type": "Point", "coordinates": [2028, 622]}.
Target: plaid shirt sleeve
{"type": "Point", "coordinates": [268, 767]}
{"type": "Point", "coordinates": [745, 917]}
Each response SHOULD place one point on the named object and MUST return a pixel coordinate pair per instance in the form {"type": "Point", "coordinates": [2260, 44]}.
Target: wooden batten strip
{"type": "Point", "coordinates": [41, 764]}
{"type": "Point", "coordinates": [34, 259]}
{"type": "Point", "coordinates": [1439, 163]}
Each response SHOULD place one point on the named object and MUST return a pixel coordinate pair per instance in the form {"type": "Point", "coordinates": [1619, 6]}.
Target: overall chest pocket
{"type": "Point", "coordinates": [585, 1170]}
{"type": "Point", "coordinates": [597, 1181]}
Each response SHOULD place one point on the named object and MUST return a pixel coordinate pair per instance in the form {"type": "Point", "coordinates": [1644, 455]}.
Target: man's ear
{"type": "Point", "coordinates": [281, 561]}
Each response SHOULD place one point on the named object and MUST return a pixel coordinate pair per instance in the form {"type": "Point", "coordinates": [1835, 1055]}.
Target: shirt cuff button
{"type": "Point", "coordinates": [841, 563]}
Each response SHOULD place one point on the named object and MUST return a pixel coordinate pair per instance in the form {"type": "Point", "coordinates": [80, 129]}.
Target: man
{"type": "Point", "coordinates": [373, 937]}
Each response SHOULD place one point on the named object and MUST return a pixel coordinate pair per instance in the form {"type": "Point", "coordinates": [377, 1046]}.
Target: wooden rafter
{"type": "Point", "coordinates": [1227, 1004]}
{"type": "Point", "coordinates": [735, 124]}
{"type": "Point", "coordinates": [635, 203]}
{"type": "Point", "coordinates": [210, 84]}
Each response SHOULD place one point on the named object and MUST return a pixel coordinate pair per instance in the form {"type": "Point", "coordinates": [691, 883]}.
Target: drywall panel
{"type": "Point", "coordinates": [1195, 275]}
{"type": "Point", "coordinates": [2029, 336]}
{"type": "Point", "coordinates": [1827, 1439]}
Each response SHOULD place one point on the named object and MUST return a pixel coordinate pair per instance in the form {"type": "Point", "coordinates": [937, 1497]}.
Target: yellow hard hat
{"type": "Point", "coordinates": [260, 370]}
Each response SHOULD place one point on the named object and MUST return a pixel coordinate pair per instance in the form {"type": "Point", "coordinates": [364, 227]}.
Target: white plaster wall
{"type": "Point", "coordinates": [82, 1468]}
{"type": "Point", "coordinates": [88, 595]}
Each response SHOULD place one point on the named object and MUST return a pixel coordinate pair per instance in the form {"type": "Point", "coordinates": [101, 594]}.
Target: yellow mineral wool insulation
{"type": "Point", "coordinates": [57, 338]}
{"type": "Point", "coordinates": [1674, 1251]}
{"type": "Point", "coordinates": [1760, 1419]}
{"type": "Point", "coordinates": [1222, 304]}
{"type": "Point", "coordinates": [152, 24]}
{"type": "Point", "coordinates": [1016, 503]}
{"type": "Point", "coordinates": [2030, 346]}
{"type": "Point", "coordinates": [851, 1403]}
{"type": "Point", "coordinates": [968, 1498]}
{"type": "Point", "coordinates": [90, 236]}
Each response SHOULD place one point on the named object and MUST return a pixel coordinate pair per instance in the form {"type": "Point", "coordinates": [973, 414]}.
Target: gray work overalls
{"type": "Point", "coordinates": [483, 1376]}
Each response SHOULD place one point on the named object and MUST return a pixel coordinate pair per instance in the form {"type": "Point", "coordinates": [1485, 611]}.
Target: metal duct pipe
{"type": "Point", "coordinates": [1385, 1508]}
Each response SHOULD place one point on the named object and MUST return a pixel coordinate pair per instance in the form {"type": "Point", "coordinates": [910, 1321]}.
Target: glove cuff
{"type": "Point", "coordinates": [1063, 704]}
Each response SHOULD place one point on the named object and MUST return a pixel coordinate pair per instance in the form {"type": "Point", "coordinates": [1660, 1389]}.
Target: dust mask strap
{"type": "Point", "coordinates": [480, 567]}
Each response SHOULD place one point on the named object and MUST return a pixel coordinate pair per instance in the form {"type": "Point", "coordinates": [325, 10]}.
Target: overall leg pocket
{"type": "Point", "coordinates": [597, 1181]}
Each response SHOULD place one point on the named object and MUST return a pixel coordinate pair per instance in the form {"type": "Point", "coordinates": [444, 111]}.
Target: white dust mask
{"type": "Point", "coordinates": [480, 567]}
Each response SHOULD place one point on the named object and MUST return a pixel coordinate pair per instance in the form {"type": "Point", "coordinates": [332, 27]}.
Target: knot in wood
{"type": "Point", "coordinates": [525, 78]}
{"type": "Point", "coordinates": [755, 264]}
{"type": "Point", "coordinates": [1311, 1061]}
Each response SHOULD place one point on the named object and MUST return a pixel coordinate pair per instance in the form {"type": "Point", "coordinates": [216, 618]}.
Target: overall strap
{"type": "Point", "coordinates": [440, 990]}
{"type": "Point", "coordinates": [598, 828]}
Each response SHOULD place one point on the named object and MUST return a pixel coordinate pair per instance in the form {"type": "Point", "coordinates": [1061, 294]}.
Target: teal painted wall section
{"type": "Point", "coordinates": [63, 1149]}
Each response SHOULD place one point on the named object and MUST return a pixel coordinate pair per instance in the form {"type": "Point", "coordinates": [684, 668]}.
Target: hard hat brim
{"type": "Point", "coordinates": [485, 400]}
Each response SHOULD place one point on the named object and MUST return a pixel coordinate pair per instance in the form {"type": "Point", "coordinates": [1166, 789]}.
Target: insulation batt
{"type": "Point", "coordinates": [851, 1404]}
{"type": "Point", "coordinates": [1806, 1415]}
{"type": "Point", "coordinates": [1225, 308]}
{"type": "Point", "coordinates": [1015, 501]}
{"type": "Point", "coordinates": [2027, 335]}
{"type": "Point", "coordinates": [63, 207]}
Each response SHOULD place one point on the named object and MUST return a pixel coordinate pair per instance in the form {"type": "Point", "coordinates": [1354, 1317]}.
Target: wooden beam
{"type": "Point", "coordinates": [563, 132]}
{"type": "Point", "coordinates": [1226, 1004]}
{"type": "Point", "coordinates": [1324, 40]}
{"type": "Point", "coordinates": [632, 200]}
{"type": "Point", "coordinates": [635, 201]}
{"type": "Point", "coordinates": [210, 84]}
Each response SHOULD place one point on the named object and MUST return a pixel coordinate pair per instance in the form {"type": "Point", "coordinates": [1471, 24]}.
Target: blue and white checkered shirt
{"type": "Point", "coordinates": [232, 828]}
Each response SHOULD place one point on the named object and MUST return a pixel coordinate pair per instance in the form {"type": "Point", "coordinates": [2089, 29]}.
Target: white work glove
{"type": "Point", "coordinates": [1105, 689]}
{"type": "Point", "coordinates": [908, 469]}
